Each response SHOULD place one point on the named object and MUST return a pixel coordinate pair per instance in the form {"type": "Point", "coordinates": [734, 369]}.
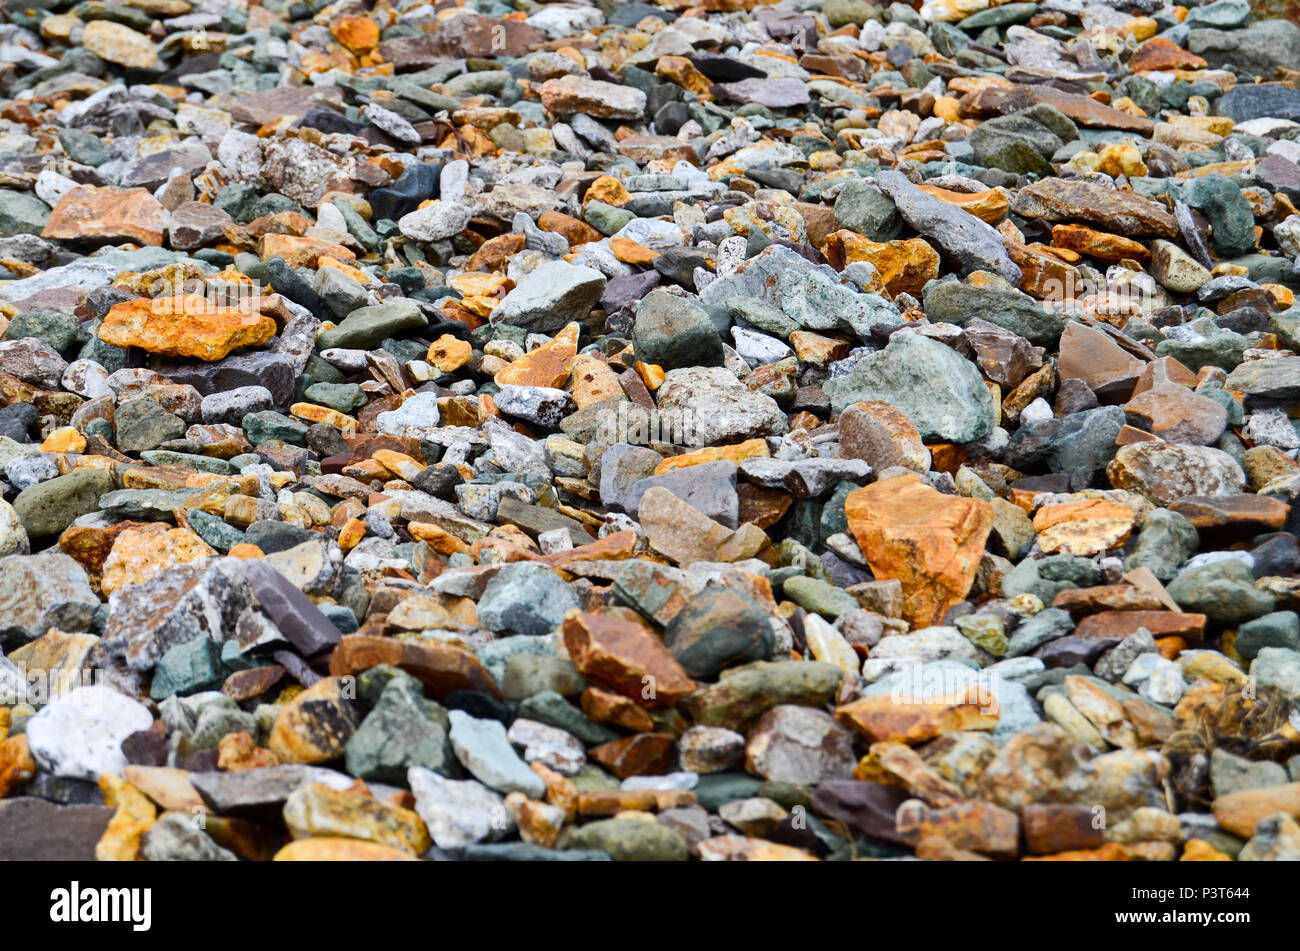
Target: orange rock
{"type": "Point", "coordinates": [299, 251]}
{"type": "Point", "coordinates": [749, 449]}
{"type": "Point", "coordinates": [185, 326]}
{"type": "Point", "coordinates": [16, 764]}
{"type": "Point", "coordinates": [642, 754]}
{"type": "Point", "coordinates": [602, 706]}
{"type": "Point", "coordinates": [87, 213]}
{"type": "Point", "coordinates": [626, 657]}
{"type": "Point", "coordinates": [1110, 852]}
{"type": "Point", "coordinates": [575, 230]}
{"type": "Point", "coordinates": [1158, 53]}
{"type": "Point", "coordinates": [1198, 850]}
{"type": "Point", "coordinates": [930, 542]}
{"type": "Point", "coordinates": [904, 266]}
{"type": "Point", "coordinates": [360, 34]}
{"type": "Point", "coordinates": [881, 718]}
{"type": "Point", "coordinates": [988, 206]}
{"type": "Point", "coordinates": [593, 381]}
{"type": "Point", "coordinates": [629, 252]}
{"type": "Point", "coordinates": [142, 553]}
{"type": "Point", "coordinates": [449, 353]}
{"type": "Point", "coordinates": [64, 439]}
{"type": "Point", "coordinates": [1083, 528]}
{"type": "Point", "coordinates": [1098, 244]}
{"type": "Point", "coordinates": [609, 190]}
{"type": "Point", "coordinates": [548, 365]}
{"type": "Point", "coordinates": [680, 70]}
{"type": "Point", "coordinates": [1238, 812]}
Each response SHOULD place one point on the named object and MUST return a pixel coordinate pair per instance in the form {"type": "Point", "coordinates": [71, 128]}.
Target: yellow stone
{"type": "Point", "coordinates": [609, 190]}
{"type": "Point", "coordinates": [593, 381]}
{"type": "Point", "coordinates": [246, 550]}
{"type": "Point", "coordinates": [64, 439]}
{"type": "Point", "coordinates": [135, 816]}
{"type": "Point", "coordinates": [323, 414]}
{"type": "Point", "coordinates": [399, 463]}
{"type": "Point", "coordinates": [449, 353]}
{"type": "Point", "coordinates": [749, 449]}
{"type": "Point", "coordinates": [142, 553]}
{"type": "Point", "coordinates": [186, 326]}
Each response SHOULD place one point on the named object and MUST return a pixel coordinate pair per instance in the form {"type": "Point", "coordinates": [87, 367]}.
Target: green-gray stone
{"type": "Point", "coordinates": [268, 425]}
{"type": "Point", "coordinates": [1165, 540]}
{"type": "Point", "coordinates": [861, 207]}
{"type": "Point", "coordinates": [403, 730]}
{"type": "Point", "coordinates": [819, 596]}
{"type": "Point", "coordinates": [22, 213]}
{"type": "Point", "coordinates": [344, 397]}
{"type": "Point", "coordinates": [742, 694]}
{"type": "Point", "coordinates": [214, 530]}
{"type": "Point", "coordinates": [188, 668]}
{"type": "Point", "coordinates": [1277, 629]}
{"type": "Point", "coordinates": [940, 391]}
{"type": "Point", "coordinates": [1224, 591]}
{"type": "Point", "coordinates": [529, 674]}
{"type": "Point", "coordinates": [366, 327]}
{"type": "Point", "coordinates": [631, 840]}
{"type": "Point", "coordinates": [61, 331]}
{"type": "Point", "coordinates": [51, 506]}
{"type": "Point", "coordinates": [952, 302]}
{"type": "Point", "coordinates": [549, 707]}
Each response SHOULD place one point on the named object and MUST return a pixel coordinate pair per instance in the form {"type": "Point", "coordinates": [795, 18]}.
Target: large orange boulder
{"type": "Point", "coordinates": [185, 326]}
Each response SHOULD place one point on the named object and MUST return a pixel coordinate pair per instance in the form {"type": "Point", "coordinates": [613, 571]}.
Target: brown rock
{"type": "Point", "coordinates": [1176, 414]}
{"type": "Point", "coordinates": [642, 754]}
{"type": "Point", "coordinates": [1159, 623]}
{"type": "Point", "coordinates": [1084, 110]}
{"type": "Point", "coordinates": [800, 745]}
{"type": "Point", "coordinates": [1233, 515]}
{"type": "Point", "coordinates": [442, 668]}
{"type": "Point", "coordinates": [260, 108]}
{"type": "Point", "coordinates": [1059, 199]}
{"type": "Point", "coordinates": [87, 213]}
{"type": "Point", "coordinates": [1161, 54]}
{"type": "Point", "coordinates": [1060, 827]}
{"type": "Point", "coordinates": [1101, 245]}
{"type": "Point", "coordinates": [339, 849]}
{"type": "Point", "coordinates": [977, 826]}
{"type": "Point", "coordinates": [930, 542]}
{"type": "Point", "coordinates": [1111, 597]}
{"type": "Point", "coordinates": [904, 266]}
{"type": "Point", "coordinates": [626, 657]}
{"type": "Point", "coordinates": [1091, 356]}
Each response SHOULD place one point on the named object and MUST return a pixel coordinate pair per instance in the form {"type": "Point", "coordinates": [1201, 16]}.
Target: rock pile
{"type": "Point", "coordinates": [602, 430]}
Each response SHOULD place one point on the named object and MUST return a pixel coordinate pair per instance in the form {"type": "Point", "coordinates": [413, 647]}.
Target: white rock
{"type": "Point", "coordinates": [458, 813]}
{"type": "Point", "coordinates": [79, 735]}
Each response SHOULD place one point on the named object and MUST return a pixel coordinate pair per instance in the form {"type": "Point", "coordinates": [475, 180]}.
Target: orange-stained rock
{"type": "Point", "coordinates": [593, 381]}
{"type": "Point", "coordinates": [338, 849]}
{"type": "Point", "coordinates": [680, 70]}
{"type": "Point", "coordinates": [904, 266]}
{"type": "Point", "coordinates": [1161, 624]}
{"type": "Point", "coordinates": [626, 657]}
{"type": "Point", "coordinates": [64, 439]}
{"type": "Point", "coordinates": [87, 213]}
{"type": "Point", "coordinates": [880, 718]}
{"type": "Point", "coordinates": [135, 816]}
{"type": "Point", "coordinates": [449, 353]}
{"type": "Point", "coordinates": [442, 668]}
{"type": "Point", "coordinates": [299, 251]}
{"type": "Point", "coordinates": [1238, 812]}
{"type": "Point", "coordinates": [1158, 53]}
{"type": "Point", "coordinates": [575, 230]}
{"type": "Point", "coordinates": [1111, 597]}
{"type": "Point", "coordinates": [604, 706]}
{"type": "Point", "coordinates": [748, 848]}
{"type": "Point", "coordinates": [989, 206]}
{"type": "Point", "coordinates": [610, 802]}
{"type": "Point", "coordinates": [360, 34]}
{"type": "Point", "coordinates": [1043, 274]}
{"type": "Point", "coordinates": [1098, 244]}
{"type": "Point", "coordinates": [1084, 528]}
{"type": "Point", "coordinates": [974, 826]}
{"type": "Point", "coordinates": [169, 787]}
{"type": "Point", "coordinates": [141, 553]}
{"type": "Point", "coordinates": [1198, 850]}
{"type": "Point", "coordinates": [629, 252]}
{"type": "Point", "coordinates": [185, 326]}
{"type": "Point", "coordinates": [930, 542]}
{"type": "Point", "coordinates": [16, 765]}
{"type": "Point", "coordinates": [548, 365]}
{"type": "Point", "coordinates": [749, 449]}
{"type": "Point", "coordinates": [609, 190]}
{"type": "Point", "coordinates": [239, 751]}
{"type": "Point", "coordinates": [316, 724]}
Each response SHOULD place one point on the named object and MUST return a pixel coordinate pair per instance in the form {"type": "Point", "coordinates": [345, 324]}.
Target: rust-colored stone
{"type": "Point", "coordinates": [626, 657]}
